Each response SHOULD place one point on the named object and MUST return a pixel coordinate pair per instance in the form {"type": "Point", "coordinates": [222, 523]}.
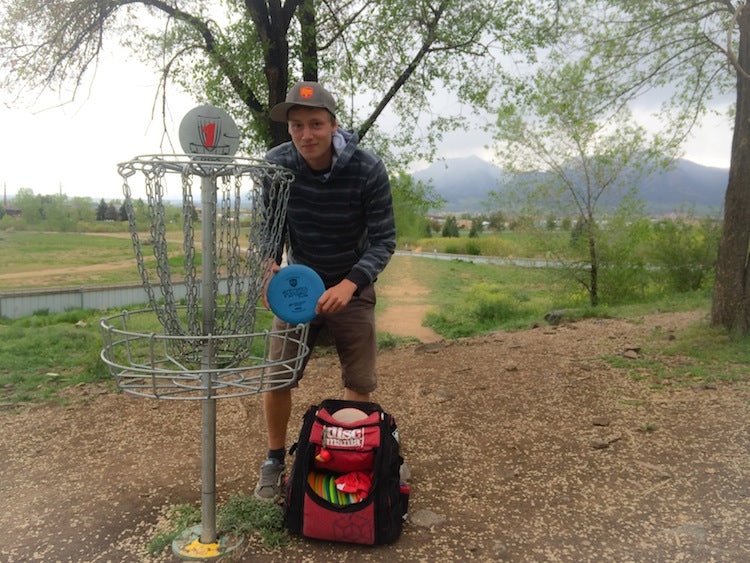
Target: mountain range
{"type": "Point", "coordinates": [465, 182]}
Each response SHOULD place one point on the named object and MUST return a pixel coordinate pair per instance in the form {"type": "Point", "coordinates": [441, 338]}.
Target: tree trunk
{"type": "Point", "coordinates": [277, 76]}
{"type": "Point", "coordinates": [731, 296]}
{"type": "Point", "coordinates": [593, 269]}
{"type": "Point", "coordinates": [308, 40]}
{"type": "Point", "coordinates": [272, 21]}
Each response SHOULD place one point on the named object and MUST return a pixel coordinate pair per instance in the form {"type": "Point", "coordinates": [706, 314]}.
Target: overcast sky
{"type": "Point", "coordinates": [75, 149]}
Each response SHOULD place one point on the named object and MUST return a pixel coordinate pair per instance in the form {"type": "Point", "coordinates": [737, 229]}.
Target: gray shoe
{"type": "Point", "coordinates": [270, 482]}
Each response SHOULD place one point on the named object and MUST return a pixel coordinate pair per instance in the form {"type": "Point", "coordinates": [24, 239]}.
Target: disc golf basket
{"type": "Point", "coordinates": [201, 339]}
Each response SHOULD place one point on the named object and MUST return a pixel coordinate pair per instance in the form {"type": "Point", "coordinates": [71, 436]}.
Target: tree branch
{"type": "Point", "coordinates": [407, 72]}
{"type": "Point", "coordinates": [229, 70]}
{"type": "Point", "coordinates": [730, 50]}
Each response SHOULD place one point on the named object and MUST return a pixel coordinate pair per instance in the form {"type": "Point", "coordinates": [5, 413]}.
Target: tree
{"type": "Point", "coordinates": [411, 202]}
{"type": "Point", "coordinates": [450, 227]}
{"type": "Point", "coordinates": [476, 227]}
{"type": "Point", "coordinates": [685, 252]}
{"type": "Point", "coordinates": [698, 49]}
{"type": "Point", "coordinates": [82, 209]}
{"type": "Point", "coordinates": [101, 210]}
{"type": "Point", "coordinates": [243, 55]}
{"type": "Point", "coordinates": [111, 214]}
{"type": "Point", "coordinates": [569, 156]}
{"type": "Point", "coordinates": [30, 205]}
{"type": "Point", "coordinates": [497, 220]}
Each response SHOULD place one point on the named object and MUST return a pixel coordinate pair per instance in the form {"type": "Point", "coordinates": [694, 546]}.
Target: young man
{"type": "Point", "coordinates": [339, 222]}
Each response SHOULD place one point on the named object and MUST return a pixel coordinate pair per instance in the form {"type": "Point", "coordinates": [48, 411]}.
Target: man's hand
{"type": "Point", "coordinates": [268, 272]}
{"type": "Point", "coordinates": [336, 298]}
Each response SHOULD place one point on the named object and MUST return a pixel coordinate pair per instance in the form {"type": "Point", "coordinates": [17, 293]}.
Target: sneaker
{"type": "Point", "coordinates": [270, 480]}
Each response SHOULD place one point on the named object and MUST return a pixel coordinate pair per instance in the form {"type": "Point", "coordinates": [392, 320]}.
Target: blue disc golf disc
{"type": "Point", "coordinates": [293, 293]}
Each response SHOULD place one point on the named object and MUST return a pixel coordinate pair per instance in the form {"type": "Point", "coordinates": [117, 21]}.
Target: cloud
{"type": "Point", "coordinates": [76, 148]}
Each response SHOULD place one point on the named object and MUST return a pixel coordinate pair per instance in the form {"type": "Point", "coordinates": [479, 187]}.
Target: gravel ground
{"type": "Point", "coordinates": [524, 446]}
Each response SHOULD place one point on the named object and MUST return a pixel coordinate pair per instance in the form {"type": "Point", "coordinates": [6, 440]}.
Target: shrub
{"type": "Point", "coordinates": [484, 307]}
{"type": "Point", "coordinates": [479, 246]}
{"type": "Point", "coordinates": [684, 253]}
{"type": "Point", "coordinates": [473, 248]}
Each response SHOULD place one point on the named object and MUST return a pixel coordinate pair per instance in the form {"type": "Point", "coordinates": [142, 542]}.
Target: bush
{"type": "Point", "coordinates": [484, 307]}
{"type": "Point", "coordinates": [623, 259]}
{"type": "Point", "coordinates": [480, 246]}
{"type": "Point", "coordinates": [684, 253]}
{"type": "Point", "coordinates": [473, 248]}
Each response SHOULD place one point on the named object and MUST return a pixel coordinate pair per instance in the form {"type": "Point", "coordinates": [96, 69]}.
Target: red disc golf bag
{"type": "Point", "coordinates": [344, 484]}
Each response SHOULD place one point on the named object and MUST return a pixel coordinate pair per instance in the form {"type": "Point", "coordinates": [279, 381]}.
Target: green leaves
{"type": "Point", "coordinates": [428, 62]}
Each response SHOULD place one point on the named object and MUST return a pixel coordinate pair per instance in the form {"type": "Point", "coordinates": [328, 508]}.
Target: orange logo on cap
{"type": "Point", "coordinates": [306, 92]}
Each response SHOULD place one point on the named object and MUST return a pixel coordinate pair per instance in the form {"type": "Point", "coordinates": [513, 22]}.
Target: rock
{"type": "Point", "coordinates": [599, 444]}
{"type": "Point", "coordinates": [499, 550]}
{"type": "Point", "coordinates": [444, 395]}
{"type": "Point", "coordinates": [430, 347]}
{"type": "Point", "coordinates": [426, 518]}
{"type": "Point", "coordinates": [705, 386]}
{"type": "Point", "coordinates": [601, 421]}
{"type": "Point", "coordinates": [405, 472]}
{"type": "Point", "coordinates": [693, 531]}
{"type": "Point", "coordinates": [604, 443]}
{"type": "Point", "coordinates": [554, 317]}
{"type": "Point", "coordinates": [630, 354]}
{"type": "Point", "coordinates": [661, 473]}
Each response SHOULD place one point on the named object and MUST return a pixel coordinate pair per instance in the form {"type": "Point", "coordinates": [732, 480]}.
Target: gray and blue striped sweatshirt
{"type": "Point", "coordinates": [340, 224]}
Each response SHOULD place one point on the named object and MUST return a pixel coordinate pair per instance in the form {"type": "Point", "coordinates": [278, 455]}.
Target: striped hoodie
{"type": "Point", "coordinates": [340, 224]}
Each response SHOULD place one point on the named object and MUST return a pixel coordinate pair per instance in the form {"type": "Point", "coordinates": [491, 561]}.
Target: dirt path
{"type": "Point", "coordinates": [47, 273]}
{"type": "Point", "coordinates": [61, 276]}
{"type": "Point", "coordinates": [523, 446]}
{"type": "Point", "coordinates": [406, 299]}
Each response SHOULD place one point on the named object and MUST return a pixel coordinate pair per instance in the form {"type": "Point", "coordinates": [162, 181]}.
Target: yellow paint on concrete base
{"type": "Point", "coordinates": [200, 550]}
{"type": "Point", "coordinates": [188, 545]}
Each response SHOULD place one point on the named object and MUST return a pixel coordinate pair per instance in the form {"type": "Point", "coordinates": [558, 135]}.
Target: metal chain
{"type": "Point", "coordinates": [155, 197]}
{"type": "Point", "coordinates": [188, 232]}
{"type": "Point", "coordinates": [240, 269]}
{"type": "Point", "coordinates": [129, 209]}
{"type": "Point", "coordinates": [224, 214]}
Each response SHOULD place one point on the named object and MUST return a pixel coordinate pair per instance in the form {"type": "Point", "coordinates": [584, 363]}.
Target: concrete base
{"type": "Point", "coordinates": [188, 547]}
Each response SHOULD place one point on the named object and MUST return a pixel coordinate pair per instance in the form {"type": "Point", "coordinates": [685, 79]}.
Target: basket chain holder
{"type": "Point", "coordinates": [198, 340]}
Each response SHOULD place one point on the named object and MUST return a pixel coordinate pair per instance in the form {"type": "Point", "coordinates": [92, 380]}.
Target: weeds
{"type": "Point", "coordinates": [241, 515]}
{"type": "Point", "coordinates": [699, 354]}
{"type": "Point", "coordinates": [180, 517]}
{"type": "Point", "coordinates": [245, 515]}
{"type": "Point", "coordinates": [42, 354]}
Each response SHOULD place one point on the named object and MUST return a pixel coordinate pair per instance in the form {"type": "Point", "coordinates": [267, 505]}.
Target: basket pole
{"type": "Point", "coordinates": [208, 404]}
{"type": "Point", "coordinates": [221, 347]}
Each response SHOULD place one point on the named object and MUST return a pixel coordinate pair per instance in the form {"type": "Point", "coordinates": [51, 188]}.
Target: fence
{"type": "Point", "coordinates": [15, 304]}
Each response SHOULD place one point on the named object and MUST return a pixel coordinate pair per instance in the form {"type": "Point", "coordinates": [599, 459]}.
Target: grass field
{"type": "Point", "coordinates": [43, 354]}
{"type": "Point", "coordinates": [39, 260]}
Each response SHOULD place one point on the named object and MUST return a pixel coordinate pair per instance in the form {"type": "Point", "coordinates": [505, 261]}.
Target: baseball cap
{"type": "Point", "coordinates": [306, 93]}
